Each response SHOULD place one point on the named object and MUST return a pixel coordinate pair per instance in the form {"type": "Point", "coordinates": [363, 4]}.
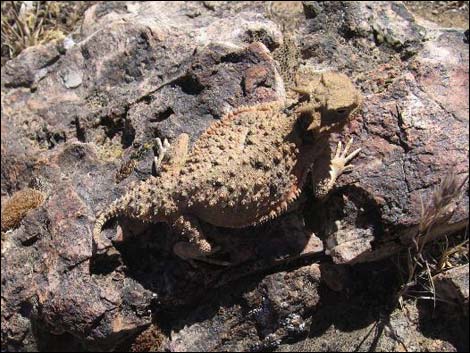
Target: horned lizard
{"type": "Point", "coordinates": [245, 169]}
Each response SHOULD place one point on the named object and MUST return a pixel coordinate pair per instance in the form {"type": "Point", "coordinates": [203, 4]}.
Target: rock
{"type": "Point", "coordinates": [108, 85]}
{"type": "Point", "coordinates": [30, 66]}
{"type": "Point", "coordinates": [452, 286]}
{"type": "Point", "coordinates": [311, 8]}
{"type": "Point", "coordinates": [336, 277]}
{"type": "Point", "coordinates": [272, 311]}
{"type": "Point", "coordinates": [336, 332]}
{"type": "Point", "coordinates": [72, 79]}
{"type": "Point", "coordinates": [401, 132]}
{"type": "Point", "coordinates": [79, 123]}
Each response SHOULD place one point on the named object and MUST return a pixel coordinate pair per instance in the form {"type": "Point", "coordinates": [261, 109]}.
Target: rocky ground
{"type": "Point", "coordinates": [443, 13]}
{"type": "Point", "coordinates": [79, 120]}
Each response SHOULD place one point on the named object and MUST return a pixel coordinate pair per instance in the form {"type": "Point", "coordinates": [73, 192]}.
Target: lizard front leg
{"type": "Point", "coordinates": [197, 247]}
{"type": "Point", "coordinates": [338, 165]}
{"type": "Point", "coordinates": [172, 157]}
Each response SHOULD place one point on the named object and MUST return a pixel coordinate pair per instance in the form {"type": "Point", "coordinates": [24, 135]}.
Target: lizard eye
{"type": "Point", "coordinates": [304, 98]}
{"type": "Point", "coordinates": [342, 111]}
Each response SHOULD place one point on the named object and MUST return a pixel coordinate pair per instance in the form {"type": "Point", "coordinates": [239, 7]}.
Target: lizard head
{"type": "Point", "coordinates": [327, 99]}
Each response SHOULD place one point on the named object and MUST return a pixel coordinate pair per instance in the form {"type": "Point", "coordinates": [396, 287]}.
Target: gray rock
{"type": "Point", "coordinates": [72, 79]}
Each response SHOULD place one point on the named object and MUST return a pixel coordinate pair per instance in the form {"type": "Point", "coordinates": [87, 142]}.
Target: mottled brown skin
{"type": "Point", "coordinates": [246, 168]}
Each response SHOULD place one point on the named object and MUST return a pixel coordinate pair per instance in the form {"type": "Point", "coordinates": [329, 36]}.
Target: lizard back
{"type": "Point", "coordinates": [244, 167]}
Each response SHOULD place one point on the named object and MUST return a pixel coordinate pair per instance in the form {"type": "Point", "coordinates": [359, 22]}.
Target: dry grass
{"type": "Point", "coordinates": [150, 340]}
{"type": "Point", "coordinates": [451, 253]}
{"type": "Point", "coordinates": [25, 24]}
{"type": "Point", "coordinates": [28, 23]}
{"type": "Point", "coordinates": [426, 259]}
{"type": "Point", "coordinates": [18, 205]}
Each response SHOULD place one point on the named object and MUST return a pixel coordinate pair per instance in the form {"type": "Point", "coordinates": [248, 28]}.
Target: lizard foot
{"type": "Point", "coordinates": [162, 151]}
{"type": "Point", "coordinates": [192, 253]}
{"type": "Point", "coordinates": [197, 247]}
{"type": "Point", "coordinates": [339, 163]}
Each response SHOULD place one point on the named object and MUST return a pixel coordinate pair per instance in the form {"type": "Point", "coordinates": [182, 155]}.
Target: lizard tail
{"type": "Point", "coordinates": [105, 216]}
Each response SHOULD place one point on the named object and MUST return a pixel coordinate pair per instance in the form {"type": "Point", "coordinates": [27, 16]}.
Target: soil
{"type": "Point", "coordinates": [444, 13]}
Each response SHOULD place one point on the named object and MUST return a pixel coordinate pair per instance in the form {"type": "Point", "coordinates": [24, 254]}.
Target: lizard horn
{"type": "Point", "coordinates": [300, 90]}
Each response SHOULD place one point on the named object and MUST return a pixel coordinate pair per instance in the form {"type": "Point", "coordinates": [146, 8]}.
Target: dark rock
{"type": "Point", "coordinates": [275, 309]}
{"type": "Point", "coordinates": [311, 8]}
{"type": "Point", "coordinates": [452, 287]}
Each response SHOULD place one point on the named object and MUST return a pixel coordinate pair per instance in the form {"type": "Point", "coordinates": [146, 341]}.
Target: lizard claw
{"type": "Point", "coordinates": [339, 163]}
{"type": "Point", "coordinates": [162, 150]}
{"type": "Point", "coordinates": [190, 253]}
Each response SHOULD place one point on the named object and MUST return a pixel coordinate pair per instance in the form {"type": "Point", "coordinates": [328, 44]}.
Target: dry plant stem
{"type": "Point", "coordinates": [461, 248]}
{"type": "Point", "coordinates": [26, 24]}
{"type": "Point", "coordinates": [438, 210]}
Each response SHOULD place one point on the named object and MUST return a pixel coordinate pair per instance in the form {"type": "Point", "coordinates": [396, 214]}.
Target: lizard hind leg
{"type": "Point", "coordinates": [198, 248]}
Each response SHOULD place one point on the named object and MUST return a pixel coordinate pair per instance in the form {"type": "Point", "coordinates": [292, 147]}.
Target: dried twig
{"type": "Point", "coordinates": [438, 210]}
